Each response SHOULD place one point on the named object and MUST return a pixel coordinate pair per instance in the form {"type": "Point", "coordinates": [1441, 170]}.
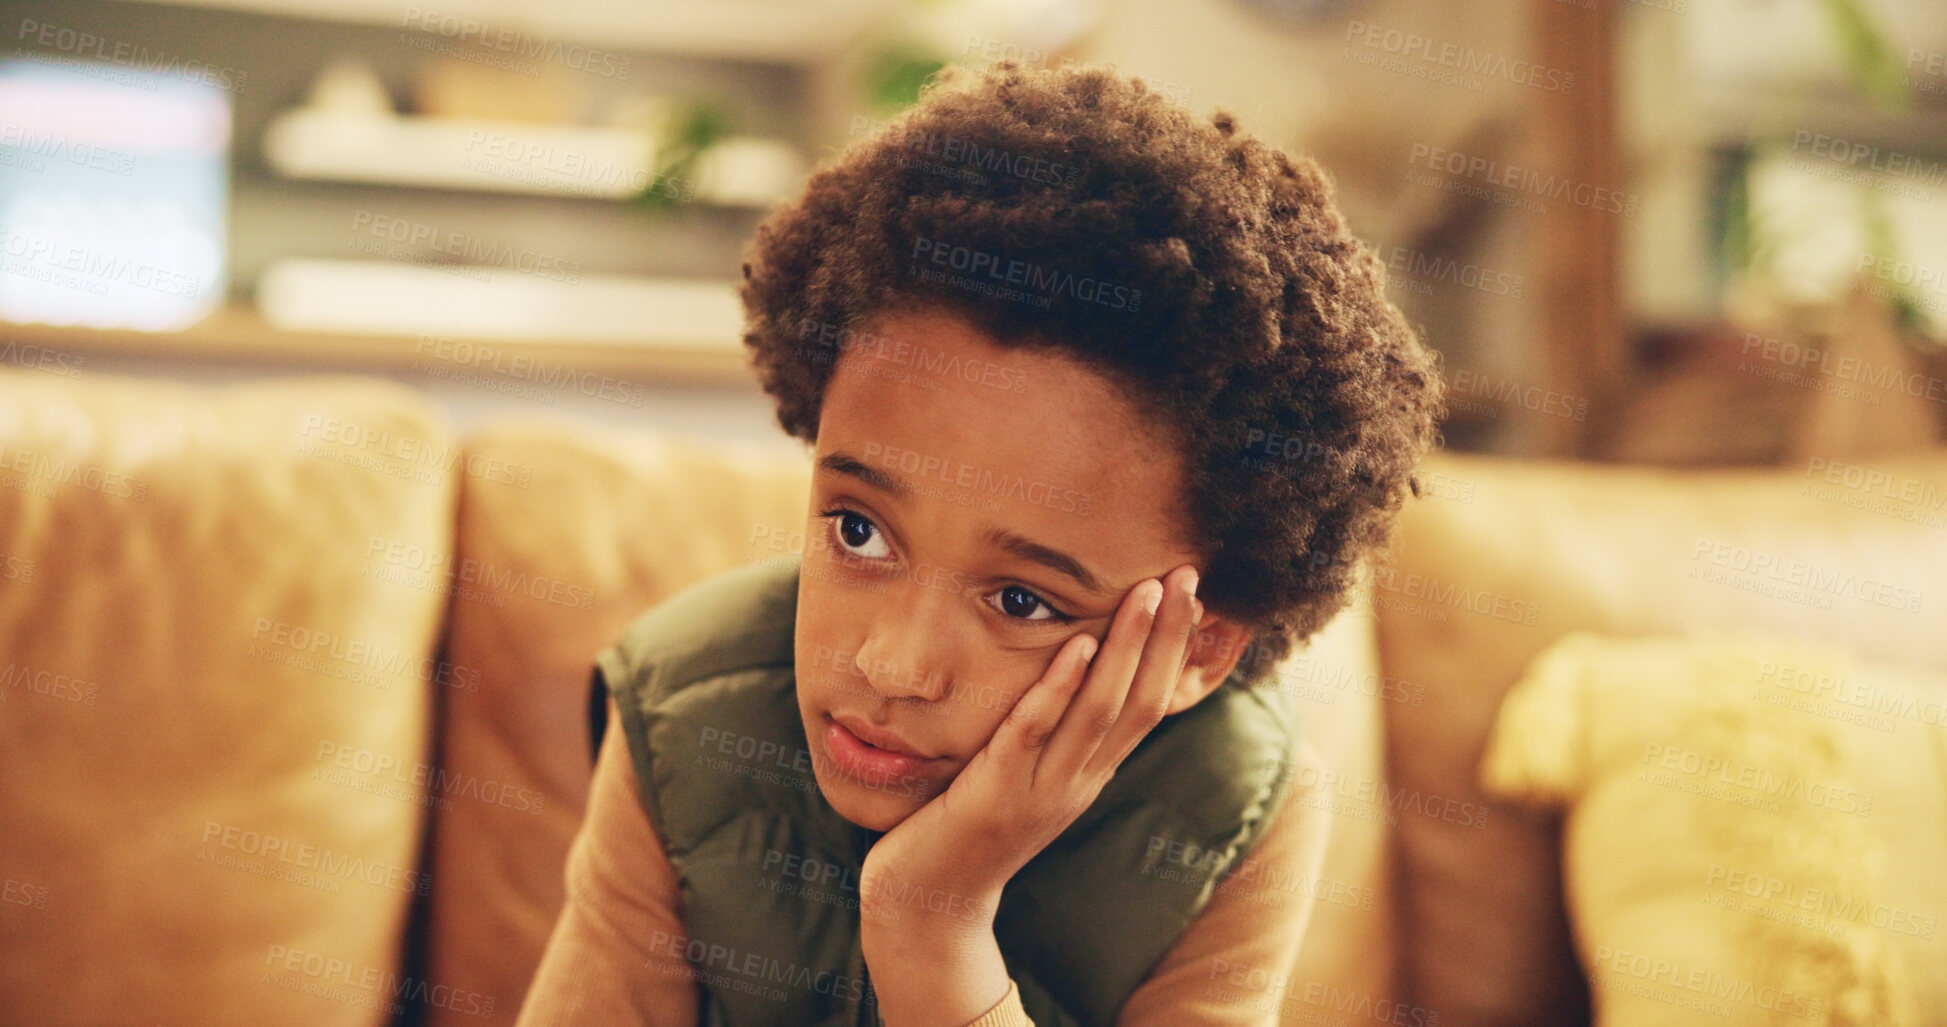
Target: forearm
{"type": "Point", "coordinates": [932, 968]}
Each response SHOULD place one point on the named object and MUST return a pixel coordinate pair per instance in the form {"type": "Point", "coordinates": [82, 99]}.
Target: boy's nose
{"type": "Point", "coordinates": [894, 680]}
{"type": "Point", "coordinates": [901, 654]}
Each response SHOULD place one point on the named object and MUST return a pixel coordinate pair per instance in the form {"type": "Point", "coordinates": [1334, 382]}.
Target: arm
{"type": "Point", "coordinates": [936, 963]}
{"type": "Point", "coordinates": [615, 956]}
{"type": "Point", "coordinates": [1231, 965]}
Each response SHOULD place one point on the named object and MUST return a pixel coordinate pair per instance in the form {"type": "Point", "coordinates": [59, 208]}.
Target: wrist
{"type": "Point", "coordinates": [904, 909]}
{"type": "Point", "coordinates": [931, 967]}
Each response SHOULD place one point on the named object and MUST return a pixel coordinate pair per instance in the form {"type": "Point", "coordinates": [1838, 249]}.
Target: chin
{"type": "Point", "coordinates": [871, 810]}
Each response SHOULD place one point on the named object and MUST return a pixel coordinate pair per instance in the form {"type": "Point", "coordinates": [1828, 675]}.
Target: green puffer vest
{"type": "Point", "coordinates": [770, 872]}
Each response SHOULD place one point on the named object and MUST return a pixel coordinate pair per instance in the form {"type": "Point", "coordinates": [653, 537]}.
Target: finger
{"type": "Point", "coordinates": [1164, 654]}
{"type": "Point", "coordinates": [1092, 714]}
{"type": "Point", "coordinates": [1033, 719]}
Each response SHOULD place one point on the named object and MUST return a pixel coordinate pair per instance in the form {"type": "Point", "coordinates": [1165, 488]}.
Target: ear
{"type": "Point", "coordinates": [1214, 650]}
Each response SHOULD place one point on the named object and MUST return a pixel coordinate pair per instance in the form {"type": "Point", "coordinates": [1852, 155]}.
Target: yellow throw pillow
{"type": "Point", "coordinates": [1754, 826]}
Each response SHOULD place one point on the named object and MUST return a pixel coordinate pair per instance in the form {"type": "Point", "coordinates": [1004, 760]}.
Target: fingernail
{"type": "Point", "coordinates": [1088, 647]}
{"type": "Point", "coordinates": [1152, 599]}
{"type": "Point", "coordinates": [1192, 584]}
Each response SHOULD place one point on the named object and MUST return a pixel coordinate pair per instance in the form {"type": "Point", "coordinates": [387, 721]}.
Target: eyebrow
{"type": "Point", "coordinates": [1012, 543]}
{"type": "Point", "coordinates": [842, 463]}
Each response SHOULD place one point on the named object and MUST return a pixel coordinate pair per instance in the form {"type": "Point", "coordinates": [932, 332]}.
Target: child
{"type": "Point", "coordinates": [1106, 405]}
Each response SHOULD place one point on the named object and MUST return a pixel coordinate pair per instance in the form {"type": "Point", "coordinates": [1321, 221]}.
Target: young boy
{"type": "Point", "coordinates": [1106, 404]}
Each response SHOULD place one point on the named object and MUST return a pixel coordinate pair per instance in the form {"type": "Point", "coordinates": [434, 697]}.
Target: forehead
{"type": "Point", "coordinates": [929, 397]}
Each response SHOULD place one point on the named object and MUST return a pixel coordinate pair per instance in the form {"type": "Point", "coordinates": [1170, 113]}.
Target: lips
{"type": "Point", "coordinates": [866, 755]}
{"type": "Point", "coordinates": [878, 737]}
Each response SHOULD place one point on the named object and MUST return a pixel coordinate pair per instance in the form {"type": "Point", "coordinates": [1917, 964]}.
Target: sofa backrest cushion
{"type": "Point", "coordinates": [566, 535]}
{"type": "Point", "coordinates": [1508, 556]}
{"type": "Point", "coordinates": [214, 705]}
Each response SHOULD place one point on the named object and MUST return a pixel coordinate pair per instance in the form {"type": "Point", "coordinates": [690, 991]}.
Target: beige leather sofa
{"type": "Point", "coordinates": [293, 688]}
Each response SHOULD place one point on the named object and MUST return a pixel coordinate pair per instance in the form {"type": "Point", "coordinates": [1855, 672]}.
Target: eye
{"type": "Point", "coordinates": [1021, 604]}
{"type": "Point", "coordinates": [853, 529]}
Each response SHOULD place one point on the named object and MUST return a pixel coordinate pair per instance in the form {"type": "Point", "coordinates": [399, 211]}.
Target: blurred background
{"type": "Point", "coordinates": [1667, 231]}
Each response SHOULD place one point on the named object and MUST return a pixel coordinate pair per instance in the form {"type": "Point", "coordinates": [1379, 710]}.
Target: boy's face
{"type": "Point", "coordinates": [959, 532]}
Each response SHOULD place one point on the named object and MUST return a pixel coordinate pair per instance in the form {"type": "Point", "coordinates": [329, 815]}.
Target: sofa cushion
{"type": "Point", "coordinates": [1520, 553]}
{"type": "Point", "coordinates": [1755, 825]}
{"type": "Point", "coordinates": [571, 535]}
{"type": "Point", "coordinates": [1345, 968]}
{"type": "Point", "coordinates": [214, 714]}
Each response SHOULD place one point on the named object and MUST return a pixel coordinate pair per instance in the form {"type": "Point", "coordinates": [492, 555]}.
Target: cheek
{"type": "Point", "coordinates": [825, 639]}
{"type": "Point", "coordinates": [986, 696]}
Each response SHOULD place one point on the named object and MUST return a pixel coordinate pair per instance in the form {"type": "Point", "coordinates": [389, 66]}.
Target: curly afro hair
{"type": "Point", "coordinates": [1207, 275]}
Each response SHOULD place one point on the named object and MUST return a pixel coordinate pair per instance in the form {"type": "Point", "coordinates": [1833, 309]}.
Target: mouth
{"type": "Point", "coordinates": [877, 737]}
{"type": "Point", "coordinates": [874, 757]}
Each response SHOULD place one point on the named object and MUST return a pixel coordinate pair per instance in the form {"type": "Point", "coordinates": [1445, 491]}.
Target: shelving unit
{"type": "Point", "coordinates": [462, 177]}
{"type": "Point", "coordinates": [480, 155]}
{"type": "Point", "coordinates": [237, 332]}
